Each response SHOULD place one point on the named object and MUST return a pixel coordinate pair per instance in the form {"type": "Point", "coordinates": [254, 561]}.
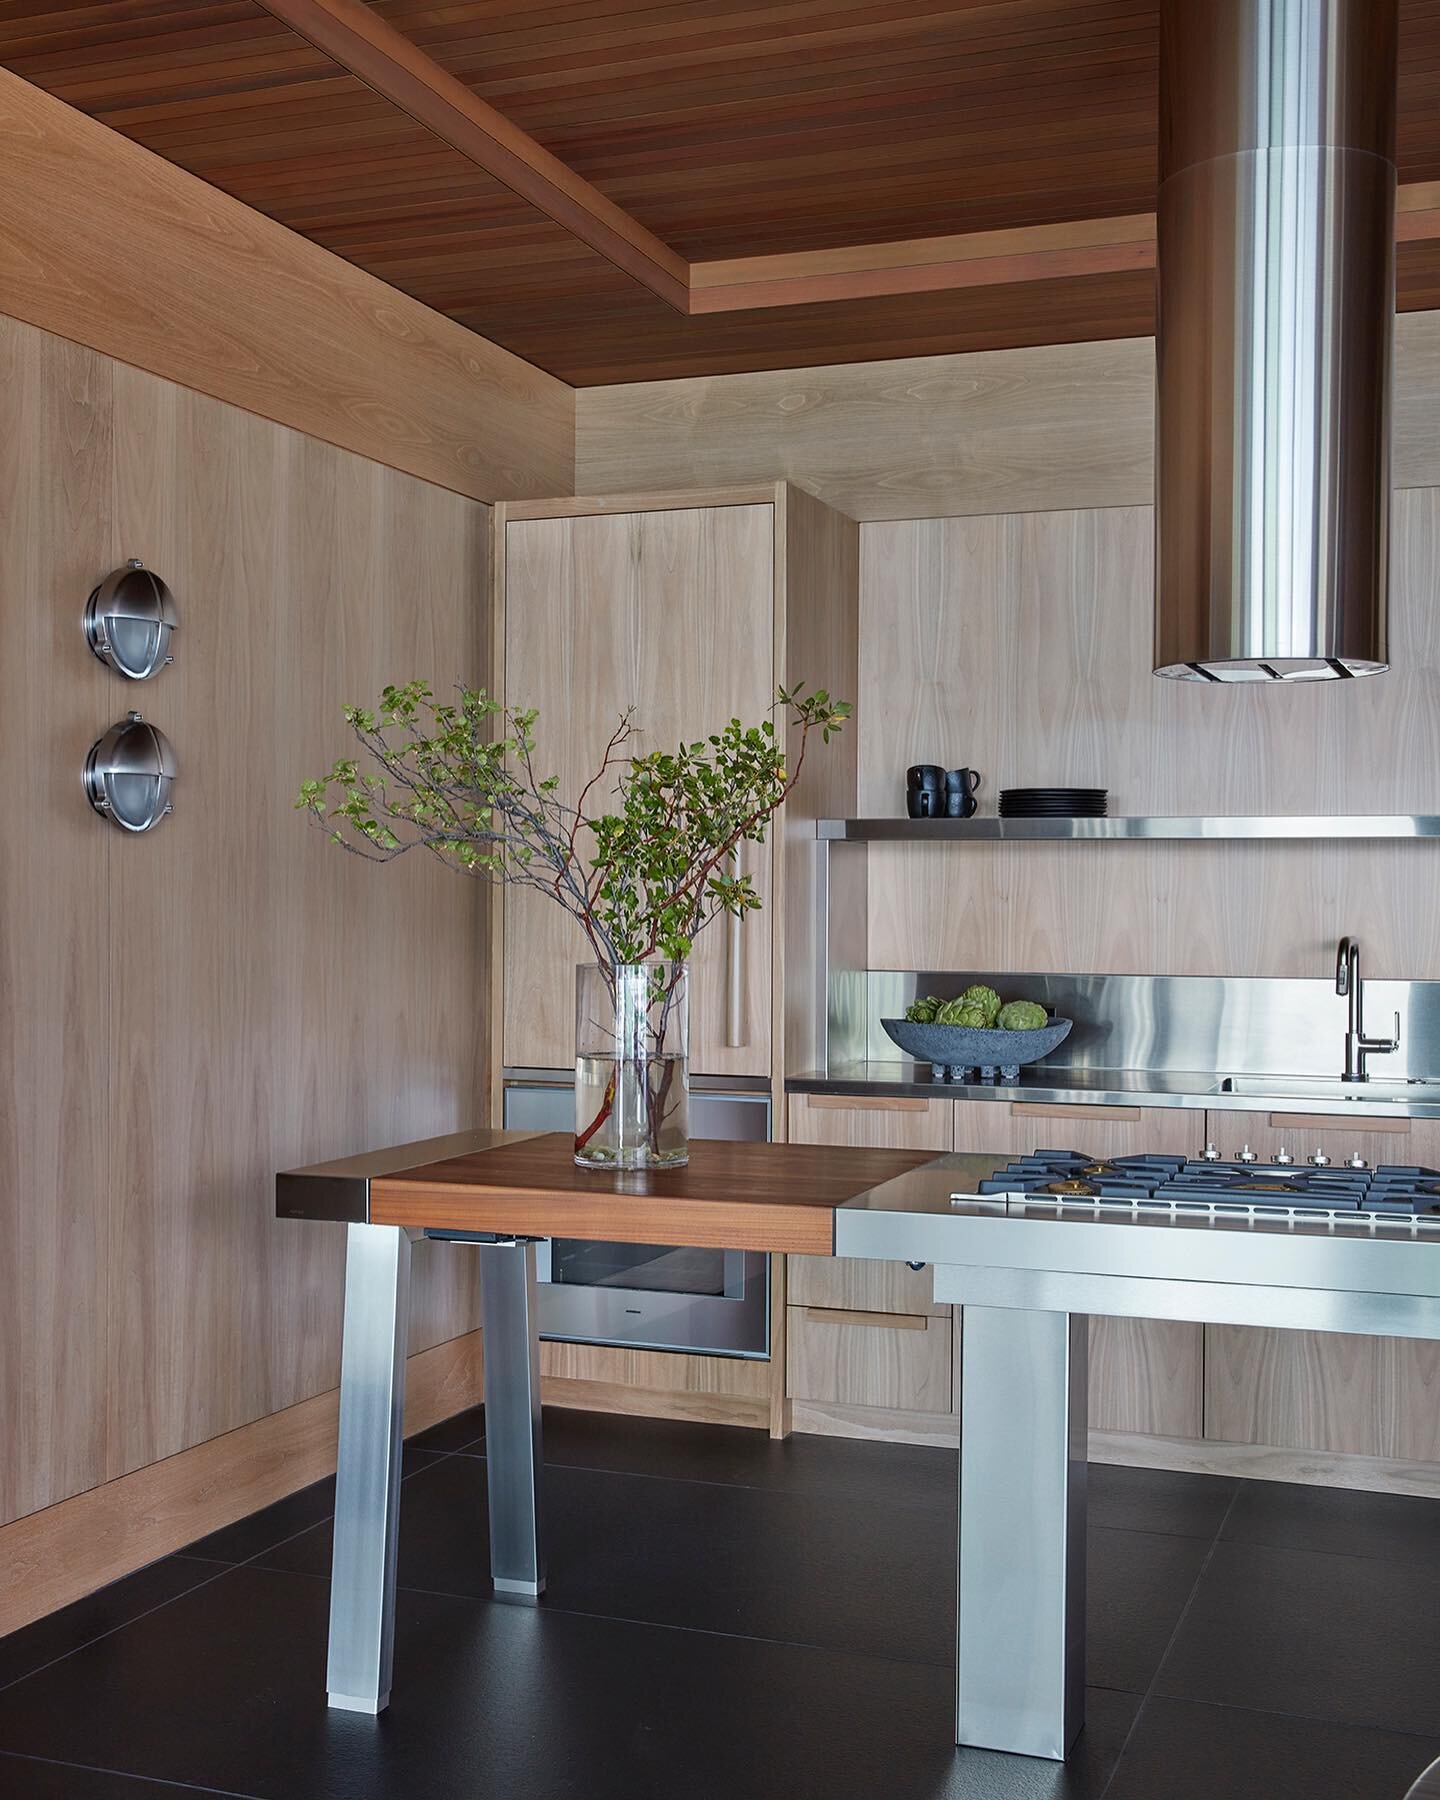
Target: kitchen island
{"type": "Point", "coordinates": [1025, 1269]}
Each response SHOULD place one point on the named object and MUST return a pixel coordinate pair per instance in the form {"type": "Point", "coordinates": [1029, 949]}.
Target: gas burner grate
{"type": "Point", "coordinates": [1236, 1189]}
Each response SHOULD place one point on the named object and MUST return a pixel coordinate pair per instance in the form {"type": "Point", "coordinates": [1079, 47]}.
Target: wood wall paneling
{"type": "Point", "coordinates": [56, 537]}
{"type": "Point", "coordinates": [51, 1558]}
{"type": "Point", "coordinates": [265, 319]}
{"type": "Point", "coordinates": [1020, 645]}
{"type": "Point", "coordinates": [1050, 427]}
{"type": "Point", "coordinates": [226, 996]}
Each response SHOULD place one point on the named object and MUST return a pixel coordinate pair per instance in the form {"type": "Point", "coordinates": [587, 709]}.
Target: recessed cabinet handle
{"type": "Point", "coordinates": [834, 1315]}
{"type": "Point", "coordinates": [734, 969]}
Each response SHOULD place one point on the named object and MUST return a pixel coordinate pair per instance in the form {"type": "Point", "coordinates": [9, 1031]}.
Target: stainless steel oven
{"type": "Point", "coordinates": [650, 1296]}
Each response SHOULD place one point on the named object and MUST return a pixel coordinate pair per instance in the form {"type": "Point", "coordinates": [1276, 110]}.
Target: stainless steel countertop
{"type": "Point", "coordinates": [1198, 1090]}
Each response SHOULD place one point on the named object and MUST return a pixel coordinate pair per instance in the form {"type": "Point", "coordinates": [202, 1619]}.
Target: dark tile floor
{"type": "Point", "coordinates": [731, 1619]}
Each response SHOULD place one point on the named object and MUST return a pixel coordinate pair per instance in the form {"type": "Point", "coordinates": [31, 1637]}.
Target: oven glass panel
{"type": "Point", "coordinates": [652, 1268]}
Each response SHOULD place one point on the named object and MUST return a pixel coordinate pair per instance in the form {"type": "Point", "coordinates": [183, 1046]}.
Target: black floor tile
{"type": "Point", "coordinates": [465, 1431]}
{"type": "Point", "coordinates": [1137, 1584]}
{"type": "Point", "coordinates": [23, 1778]}
{"type": "Point", "coordinates": [1341, 1520]}
{"type": "Point", "coordinates": [886, 1474]}
{"type": "Point", "coordinates": [1187, 1752]}
{"type": "Point", "coordinates": [270, 1526]}
{"type": "Point", "coordinates": [226, 1686]}
{"type": "Point", "coordinates": [1352, 1639]}
{"type": "Point", "coordinates": [56, 1635]}
{"type": "Point", "coordinates": [754, 1561]}
{"type": "Point", "coordinates": [1161, 1500]}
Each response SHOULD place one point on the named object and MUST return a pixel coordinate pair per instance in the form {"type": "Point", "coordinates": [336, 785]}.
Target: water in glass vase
{"type": "Point", "coordinates": [632, 1114]}
{"type": "Point", "coordinates": [632, 1076]}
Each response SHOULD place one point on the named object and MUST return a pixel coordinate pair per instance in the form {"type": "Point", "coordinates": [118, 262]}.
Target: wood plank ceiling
{"type": "Point", "coordinates": [725, 128]}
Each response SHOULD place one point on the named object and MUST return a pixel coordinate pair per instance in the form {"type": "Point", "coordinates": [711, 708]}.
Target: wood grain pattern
{"type": "Point", "coordinates": [584, 1395]}
{"type": "Point", "coordinates": [68, 1550]}
{"type": "Point", "coordinates": [1055, 426]}
{"type": "Point", "coordinates": [734, 1196]}
{"type": "Point", "coordinates": [877, 1424]}
{"type": "Point", "coordinates": [856, 1282]}
{"type": "Point", "coordinates": [366, 44]}
{"type": "Point", "coordinates": [57, 536]}
{"type": "Point", "coordinates": [1145, 1374]}
{"type": "Point", "coordinates": [847, 1359]}
{"type": "Point", "coordinates": [153, 1094]}
{"type": "Point", "coordinates": [965, 621]}
{"type": "Point", "coordinates": [817, 645]}
{"type": "Point", "coordinates": [1324, 1391]}
{"type": "Point", "coordinates": [226, 1051]}
{"type": "Point", "coordinates": [725, 131]}
{"type": "Point", "coordinates": [668, 613]}
{"type": "Point", "coordinates": [1267, 1462]}
{"type": "Point", "coordinates": [317, 344]}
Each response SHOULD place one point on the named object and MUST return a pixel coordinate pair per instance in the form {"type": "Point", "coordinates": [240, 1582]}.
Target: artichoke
{"type": "Point", "coordinates": [975, 1017]}
{"type": "Point", "coordinates": [923, 1012]}
{"type": "Point", "coordinates": [1022, 1015]}
{"type": "Point", "coordinates": [949, 1013]}
{"type": "Point", "coordinates": [985, 998]}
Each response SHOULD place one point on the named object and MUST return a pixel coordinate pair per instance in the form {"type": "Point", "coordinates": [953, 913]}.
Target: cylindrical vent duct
{"type": "Point", "coordinates": [1276, 311]}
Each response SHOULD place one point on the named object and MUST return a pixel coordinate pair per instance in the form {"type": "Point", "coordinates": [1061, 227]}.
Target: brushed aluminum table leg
{"type": "Point", "coordinates": [367, 1482]}
{"type": "Point", "coordinates": [512, 1419]}
{"type": "Point", "coordinates": [1020, 1666]}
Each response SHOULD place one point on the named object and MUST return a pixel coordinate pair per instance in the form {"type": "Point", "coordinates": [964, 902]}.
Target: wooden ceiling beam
{"type": "Point", "coordinates": [973, 259]}
{"type": "Point", "coordinates": [374, 51]}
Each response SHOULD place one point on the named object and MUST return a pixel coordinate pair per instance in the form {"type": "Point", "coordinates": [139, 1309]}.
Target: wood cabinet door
{"type": "Point", "coordinates": [1145, 1374]}
{"type": "Point", "coordinates": [705, 654]}
{"type": "Point", "coordinates": [671, 613]}
{"type": "Point", "coordinates": [1315, 1390]}
{"type": "Point", "coordinates": [857, 1282]}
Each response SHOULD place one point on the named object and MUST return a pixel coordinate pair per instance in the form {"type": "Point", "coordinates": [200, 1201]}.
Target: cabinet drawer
{"type": "Point", "coordinates": [895, 1360]}
{"type": "Point", "coordinates": [858, 1284]}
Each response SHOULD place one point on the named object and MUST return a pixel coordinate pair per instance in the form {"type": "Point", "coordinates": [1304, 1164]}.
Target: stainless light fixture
{"type": "Point", "coordinates": [129, 774]}
{"type": "Point", "coordinates": [129, 620]}
{"type": "Point", "coordinates": [1276, 309]}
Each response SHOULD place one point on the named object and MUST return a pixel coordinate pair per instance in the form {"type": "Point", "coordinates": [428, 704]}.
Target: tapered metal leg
{"type": "Point", "coordinates": [512, 1419]}
{"type": "Point", "coordinates": [1019, 1680]}
{"type": "Point", "coordinates": [367, 1485]}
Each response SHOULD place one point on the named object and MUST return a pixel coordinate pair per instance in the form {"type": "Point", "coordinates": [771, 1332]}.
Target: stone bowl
{"type": "Point", "coordinates": [970, 1047]}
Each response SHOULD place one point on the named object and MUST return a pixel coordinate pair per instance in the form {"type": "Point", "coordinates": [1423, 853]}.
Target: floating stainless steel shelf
{"type": "Point", "coordinates": [1268, 825]}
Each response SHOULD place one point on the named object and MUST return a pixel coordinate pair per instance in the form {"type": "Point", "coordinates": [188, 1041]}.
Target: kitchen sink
{"type": "Point", "coordinates": [1326, 1087]}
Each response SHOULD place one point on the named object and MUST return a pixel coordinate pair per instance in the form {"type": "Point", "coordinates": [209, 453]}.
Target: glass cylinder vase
{"type": "Point", "coordinates": [632, 1065]}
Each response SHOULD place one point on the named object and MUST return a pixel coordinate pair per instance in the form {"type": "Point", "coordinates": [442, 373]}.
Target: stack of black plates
{"type": "Point", "coordinates": [1053, 803]}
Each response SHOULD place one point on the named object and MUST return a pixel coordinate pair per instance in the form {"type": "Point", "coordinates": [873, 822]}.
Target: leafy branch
{"type": "Point", "coordinates": [458, 779]}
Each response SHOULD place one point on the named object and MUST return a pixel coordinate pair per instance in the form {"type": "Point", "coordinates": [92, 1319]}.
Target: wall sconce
{"type": "Point", "coordinates": [129, 619]}
{"type": "Point", "coordinates": [129, 774]}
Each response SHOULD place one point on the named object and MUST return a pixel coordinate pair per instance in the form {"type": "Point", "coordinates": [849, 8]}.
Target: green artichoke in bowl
{"type": "Point", "coordinates": [1022, 1015]}
{"type": "Point", "coordinates": [985, 999]}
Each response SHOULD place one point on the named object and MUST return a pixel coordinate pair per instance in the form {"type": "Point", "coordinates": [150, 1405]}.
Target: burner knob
{"type": "Point", "coordinates": [1357, 1161]}
{"type": "Point", "coordinates": [1247, 1155]}
{"type": "Point", "coordinates": [1283, 1157]}
{"type": "Point", "coordinates": [1320, 1160]}
{"type": "Point", "coordinates": [1211, 1153]}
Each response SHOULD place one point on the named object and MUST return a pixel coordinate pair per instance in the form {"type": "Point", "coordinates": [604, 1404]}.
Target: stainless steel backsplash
{"type": "Point", "coordinates": [1232, 1025]}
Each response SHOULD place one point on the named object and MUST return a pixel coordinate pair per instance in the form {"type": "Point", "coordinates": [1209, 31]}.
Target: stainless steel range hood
{"type": "Point", "coordinates": [1276, 309]}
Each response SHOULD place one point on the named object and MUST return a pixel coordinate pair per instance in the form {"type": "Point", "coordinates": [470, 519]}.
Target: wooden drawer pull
{"type": "Point", "coordinates": [1328, 1122]}
{"type": "Point", "coordinates": [860, 1103]}
{"type": "Point", "coordinates": [1045, 1109]}
{"type": "Point", "coordinates": [834, 1315]}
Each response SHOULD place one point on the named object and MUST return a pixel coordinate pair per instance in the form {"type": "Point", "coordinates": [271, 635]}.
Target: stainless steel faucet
{"type": "Point", "coordinates": [1349, 986]}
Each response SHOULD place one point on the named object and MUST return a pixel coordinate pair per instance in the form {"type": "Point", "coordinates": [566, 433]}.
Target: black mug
{"type": "Point", "coordinates": [925, 791]}
{"type": "Point", "coordinates": [960, 786]}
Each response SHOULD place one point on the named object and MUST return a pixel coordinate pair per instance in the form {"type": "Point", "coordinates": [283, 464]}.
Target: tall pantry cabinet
{"type": "Point", "coordinates": [687, 610]}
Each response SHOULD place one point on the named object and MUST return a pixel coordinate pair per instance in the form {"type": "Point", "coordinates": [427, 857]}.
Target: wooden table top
{"type": "Point", "coordinates": [730, 1196]}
